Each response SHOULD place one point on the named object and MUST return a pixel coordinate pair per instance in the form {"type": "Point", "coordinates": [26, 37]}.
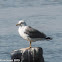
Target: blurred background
{"type": "Point", "coordinates": [44, 15]}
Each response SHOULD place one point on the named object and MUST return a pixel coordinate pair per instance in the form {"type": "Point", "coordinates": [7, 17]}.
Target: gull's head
{"type": "Point", "coordinates": [21, 23]}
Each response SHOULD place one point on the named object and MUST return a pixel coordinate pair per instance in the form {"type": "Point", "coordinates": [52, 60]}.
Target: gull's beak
{"type": "Point", "coordinates": [17, 24]}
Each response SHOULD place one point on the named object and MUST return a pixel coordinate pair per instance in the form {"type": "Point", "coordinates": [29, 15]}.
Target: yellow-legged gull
{"type": "Point", "coordinates": [29, 33]}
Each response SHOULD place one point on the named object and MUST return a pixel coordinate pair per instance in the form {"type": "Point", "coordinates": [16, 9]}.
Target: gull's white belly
{"type": "Point", "coordinates": [22, 34]}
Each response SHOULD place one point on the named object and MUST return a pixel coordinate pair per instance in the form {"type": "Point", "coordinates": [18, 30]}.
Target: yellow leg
{"type": "Point", "coordinates": [30, 44]}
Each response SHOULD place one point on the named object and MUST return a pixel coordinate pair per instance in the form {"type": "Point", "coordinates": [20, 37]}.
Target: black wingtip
{"type": "Point", "coordinates": [48, 38]}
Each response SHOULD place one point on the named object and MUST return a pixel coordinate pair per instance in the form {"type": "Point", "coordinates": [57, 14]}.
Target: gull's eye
{"type": "Point", "coordinates": [21, 22]}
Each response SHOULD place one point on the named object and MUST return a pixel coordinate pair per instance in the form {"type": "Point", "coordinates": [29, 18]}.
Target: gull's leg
{"type": "Point", "coordinates": [30, 44]}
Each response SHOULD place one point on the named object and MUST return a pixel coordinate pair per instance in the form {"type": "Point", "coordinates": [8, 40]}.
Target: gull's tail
{"type": "Point", "coordinates": [48, 38]}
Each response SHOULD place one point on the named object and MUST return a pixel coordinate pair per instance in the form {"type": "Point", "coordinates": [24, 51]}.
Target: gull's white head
{"type": "Point", "coordinates": [21, 23]}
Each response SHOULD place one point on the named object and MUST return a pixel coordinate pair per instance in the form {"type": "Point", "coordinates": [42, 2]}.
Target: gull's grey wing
{"type": "Point", "coordinates": [33, 33]}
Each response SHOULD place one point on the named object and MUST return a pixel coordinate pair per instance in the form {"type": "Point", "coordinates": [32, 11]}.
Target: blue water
{"type": "Point", "coordinates": [44, 15]}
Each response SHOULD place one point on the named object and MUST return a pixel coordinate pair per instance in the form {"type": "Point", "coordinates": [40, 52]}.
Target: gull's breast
{"type": "Point", "coordinates": [21, 32]}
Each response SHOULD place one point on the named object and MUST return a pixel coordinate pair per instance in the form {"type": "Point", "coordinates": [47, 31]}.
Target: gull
{"type": "Point", "coordinates": [30, 34]}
